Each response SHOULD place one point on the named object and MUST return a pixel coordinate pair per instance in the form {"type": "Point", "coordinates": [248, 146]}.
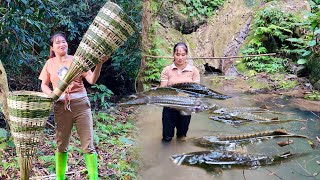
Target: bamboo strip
{"type": "Point", "coordinates": [227, 57]}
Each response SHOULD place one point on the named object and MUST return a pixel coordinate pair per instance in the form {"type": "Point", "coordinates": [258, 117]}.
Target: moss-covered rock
{"type": "Point", "coordinates": [259, 84]}
{"type": "Point", "coordinates": [170, 16]}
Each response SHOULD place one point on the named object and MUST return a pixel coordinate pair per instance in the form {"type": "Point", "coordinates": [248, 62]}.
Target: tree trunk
{"type": "Point", "coordinates": [146, 21]}
{"type": "Point", "coordinates": [4, 90]}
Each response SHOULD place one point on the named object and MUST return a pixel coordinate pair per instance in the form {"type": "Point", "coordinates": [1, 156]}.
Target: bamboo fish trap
{"type": "Point", "coordinates": [109, 30]}
{"type": "Point", "coordinates": [28, 114]}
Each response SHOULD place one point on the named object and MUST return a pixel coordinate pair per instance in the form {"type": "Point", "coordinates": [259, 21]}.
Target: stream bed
{"type": "Point", "coordinates": [155, 155]}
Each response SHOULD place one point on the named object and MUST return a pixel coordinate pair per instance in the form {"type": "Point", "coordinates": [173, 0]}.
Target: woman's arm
{"type": "Point", "coordinates": [45, 87]}
{"type": "Point", "coordinates": [92, 78]}
{"type": "Point", "coordinates": [164, 78]}
{"type": "Point", "coordinates": [163, 83]}
{"type": "Point", "coordinates": [196, 75]}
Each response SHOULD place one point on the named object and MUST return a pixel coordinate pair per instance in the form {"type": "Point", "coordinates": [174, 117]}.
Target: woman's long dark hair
{"type": "Point", "coordinates": [52, 38]}
{"type": "Point", "coordinates": [180, 44]}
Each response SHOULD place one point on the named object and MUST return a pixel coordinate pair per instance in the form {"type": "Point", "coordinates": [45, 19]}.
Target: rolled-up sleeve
{"type": "Point", "coordinates": [45, 75]}
{"type": "Point", "coordinates": [196, 75]}
{"type": "Point", "coordinates": [164, 75]}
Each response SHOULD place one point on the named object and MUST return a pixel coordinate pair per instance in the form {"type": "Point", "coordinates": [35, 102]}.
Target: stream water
{"type": "Point", "coordinates": [155, 155]}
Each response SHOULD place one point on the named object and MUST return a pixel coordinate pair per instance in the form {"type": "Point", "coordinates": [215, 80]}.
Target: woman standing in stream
{"type": "Point", "coordinates": [178, 72]}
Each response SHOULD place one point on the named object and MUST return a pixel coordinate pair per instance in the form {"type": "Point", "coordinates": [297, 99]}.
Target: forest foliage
{"type": "Point", "coordinates": [293, 38]}
{"type": "Point", "coordinates": [25, 28]}
{"type": "Point", "coordinates": [201, 9]}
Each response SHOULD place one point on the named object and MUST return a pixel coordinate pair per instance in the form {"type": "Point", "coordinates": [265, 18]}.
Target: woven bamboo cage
{"type": "Point", "coordinates": [28, 114]}
{"type": "Point", "coordinates": [109, 30]}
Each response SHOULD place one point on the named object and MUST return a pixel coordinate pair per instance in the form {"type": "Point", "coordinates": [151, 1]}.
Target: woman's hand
{"type": "Point", "coordinates": [96, 73]}
{"type": "Point", "coordinates": [103, 60]}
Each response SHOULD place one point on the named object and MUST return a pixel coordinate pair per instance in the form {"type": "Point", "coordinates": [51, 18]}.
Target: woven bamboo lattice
{"type": "Point", "coordinates": [28, 114]}
{"type": "Point", "coordinates": [109, 30]}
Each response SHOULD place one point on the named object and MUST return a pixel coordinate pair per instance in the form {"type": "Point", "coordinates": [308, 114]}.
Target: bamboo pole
{"type": "Point", "coordinates": [227, 57]}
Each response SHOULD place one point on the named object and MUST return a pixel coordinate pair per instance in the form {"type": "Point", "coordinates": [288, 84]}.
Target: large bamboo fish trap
{"type": "Point", "coordinates": [109, 30]}
{"type": "Point", "coordinates": [28, 114]}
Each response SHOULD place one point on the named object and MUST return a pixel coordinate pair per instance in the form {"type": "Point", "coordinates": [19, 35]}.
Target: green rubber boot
{"type": "Point", "coordinates": [61, 165]}
{"type": "Point", "coordinates": [92, 165]}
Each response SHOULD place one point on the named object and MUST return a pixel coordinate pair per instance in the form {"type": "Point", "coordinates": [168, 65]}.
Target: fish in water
{"type": "Point", "coordinates": [248, 116]}
{"type": "Point", "coordinates": [198, 90]}
{"type": "Point", "coordinates": [163, 91]}
{"type": "Point", "coordinates": [241, 117]}
{"type": "Point", "coordinates": [225, 110]}
{"type": "Point", "coordinates": [237, 121]}
{"type": "Point", "coordinates": [186, 105]}
{"type": "Point", "coordinates": [224, 140]}
{"type": "Point", "coordinates": [228, 120]}
{"type": "Point", "coordinates": [207, 159]}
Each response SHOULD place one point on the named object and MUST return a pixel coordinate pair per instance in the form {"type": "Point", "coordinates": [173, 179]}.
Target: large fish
{"type": "Point", "coordinates": [198, 90]}
{"type": "Point", "coordinates": [225, 110]}
{"type": "Point", "coordinates": [244, 116]}
{"type": "Point", "coordinates": [227, 139]}
{"type": "Point", "coordinates": [236, 121]}
{"type": "Point", "coordinates": [229, 110]}
{"type": "Point", "coordinates": [241, 115]}
{"type": "Point", "coordinates": [206, 159]}
{"type": "Point", "coordinates": [165, 91]}
{"type": "Point", "coordinates": [186, 105]}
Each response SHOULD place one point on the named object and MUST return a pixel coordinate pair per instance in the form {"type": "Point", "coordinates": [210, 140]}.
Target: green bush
{"type": "Point", "coordinates": [201, 9]}
{"type": "Point", "coordinates": [25, 27]}
{"type": "Point", "coordinates": [270, 29]}
{"type": "Point", "coordinates": [100, 97]}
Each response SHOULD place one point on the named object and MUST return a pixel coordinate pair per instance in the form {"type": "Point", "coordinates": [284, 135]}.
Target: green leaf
{"type": "Point", "coordinates": [3, 133]}
{"type": "Point", "coordinates": [306, 53]}
{"type": "Point", "coordinates": [302, 61]}
{"type": "Point", "coordinates": [127, 141]}
{"type": "Point", "coordinates": [314, 24]}
{"type": "Point", "coordinates": [312, 43]}
{"type": "Point", "coordinates": [296, 40]}
{"type": "Point", "coordinates": [3, 146]}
